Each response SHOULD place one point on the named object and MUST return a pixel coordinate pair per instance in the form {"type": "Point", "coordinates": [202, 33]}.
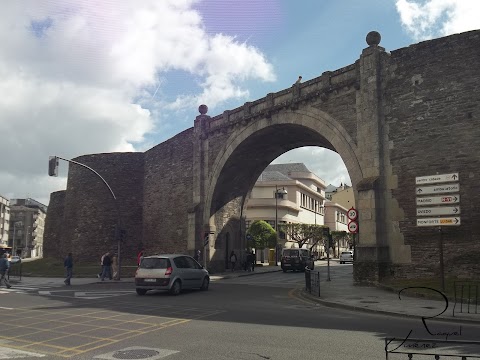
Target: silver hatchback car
{"type": "Point", "coordinates": [171, 272]}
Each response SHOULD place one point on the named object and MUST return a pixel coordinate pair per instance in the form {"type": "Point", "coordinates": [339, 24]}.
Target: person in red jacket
{"type": "Point", "coordinates": [139, 257]}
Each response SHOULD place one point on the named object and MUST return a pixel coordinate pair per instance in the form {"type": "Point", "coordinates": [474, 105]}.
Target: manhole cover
{"type": "Point", "coordinates": [369, 302]}
{"type": "Point", "coordinates": [135, 354]}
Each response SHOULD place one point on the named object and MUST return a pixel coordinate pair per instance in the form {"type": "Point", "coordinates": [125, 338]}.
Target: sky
{"type": "Point", "coordinates": [85, 76]}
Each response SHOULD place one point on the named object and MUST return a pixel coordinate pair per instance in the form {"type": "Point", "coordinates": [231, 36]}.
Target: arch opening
{"type": "Point", "coordinates": [255, 148]}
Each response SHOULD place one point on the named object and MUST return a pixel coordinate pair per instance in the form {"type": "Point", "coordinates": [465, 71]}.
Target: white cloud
{"type": "Point", "coordinates": [75, 76]}
{"type": "Point", "coordinates": [324, 163]}
{"type": "Point", "coordinates": [433, 18]}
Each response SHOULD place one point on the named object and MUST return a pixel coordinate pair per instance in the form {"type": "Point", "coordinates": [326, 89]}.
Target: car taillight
{"type": "Point", "coordinates": [168, 271]}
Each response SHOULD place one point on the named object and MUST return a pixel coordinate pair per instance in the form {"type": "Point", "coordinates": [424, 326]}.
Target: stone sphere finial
{"type": "Point", "coordinates": [202, 109]}
{"type": "Point", "coordinates": [373, 38]}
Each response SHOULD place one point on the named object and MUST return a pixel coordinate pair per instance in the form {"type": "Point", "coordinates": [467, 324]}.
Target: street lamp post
{"type": "Point", "coordinates": [282, 192]}
{"type": "Point", "coordinates": [119, 232]}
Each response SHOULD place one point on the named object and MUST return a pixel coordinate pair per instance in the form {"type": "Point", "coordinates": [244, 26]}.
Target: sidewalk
{"type": "Point", "coordinates": [341, 292]}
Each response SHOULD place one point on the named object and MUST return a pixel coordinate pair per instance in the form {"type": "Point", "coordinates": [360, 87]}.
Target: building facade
{"type": "Point", "coordinates": [300, 199]}
{"type": "Point", "coordinates": [4, 220]}
{"type": "Point", "coordinates": [27, 224]}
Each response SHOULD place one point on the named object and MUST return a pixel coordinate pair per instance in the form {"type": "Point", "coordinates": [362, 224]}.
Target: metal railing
{"type": "Point", "coordinates": [15, 272]}
{"type": "Point", "coordinates": [432, 349]}
{"type": "Point", "coordinates": [466, 297]}
{"type": "Point", "coordinates": [312, 282]}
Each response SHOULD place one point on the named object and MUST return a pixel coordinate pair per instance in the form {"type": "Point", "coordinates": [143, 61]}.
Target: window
{"type": "Point", "coordinates": [155, 263]}
{"type": "Point", "coordinates": [248, 223]}
{"type": "Point", "coordinates": [290, 252]}
{"type": "Point", "coordinates": [192, 264]}
{"type": "Point", "coordinates": [181, 262]}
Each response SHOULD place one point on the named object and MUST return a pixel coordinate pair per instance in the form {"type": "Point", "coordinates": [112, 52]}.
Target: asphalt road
{"type": "Point", "coordinates": [247, 318]}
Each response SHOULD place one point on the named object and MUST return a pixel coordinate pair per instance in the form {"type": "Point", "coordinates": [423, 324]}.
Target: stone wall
{"type": "Point", "coordinates": [432, 116]}
{"type": "Point", "coordinates": [53, 239]}
{"type": "Point", "coordinates": [90, 212]}
{"type": "Point", "coordinates": [393, 116]}
{"type": "Point", "coordinates": [168, 195]}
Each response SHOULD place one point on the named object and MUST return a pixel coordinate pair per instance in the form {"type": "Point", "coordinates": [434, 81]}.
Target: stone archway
{"type": "Point", "coordinates": [255, 146]}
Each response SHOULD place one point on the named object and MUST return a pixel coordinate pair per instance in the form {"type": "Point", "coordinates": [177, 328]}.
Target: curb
{"type": "Point", "coordinates": [305, 296]}
{"type": "Point", "coordinates": [232, 276]}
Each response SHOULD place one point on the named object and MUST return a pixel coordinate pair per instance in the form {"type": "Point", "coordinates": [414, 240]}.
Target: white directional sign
{"type": "Point", "coordinates": [432, 179]}
{"type": "Point", "coordinates": [438, 210]}
{"type": "Point", "coordinates": [438, 200]}
{"type": "Point", "coordinates": [438, 189]}
{"type": "Point", "coordinates": [446, 221]}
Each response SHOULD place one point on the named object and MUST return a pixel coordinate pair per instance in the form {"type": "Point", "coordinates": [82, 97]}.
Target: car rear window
{"type": "Point", "coordinates": [290, 252]}
{"type": "Point", "coordinates": [155, 263]}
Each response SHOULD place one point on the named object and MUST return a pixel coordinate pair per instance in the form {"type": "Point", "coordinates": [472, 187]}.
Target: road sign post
{"type": "Point", "coordinates": [206, 240]}
{"type": "Point", "coordinates": [445, 192]}
{"type": "Point", "coordinates": [352, 215]}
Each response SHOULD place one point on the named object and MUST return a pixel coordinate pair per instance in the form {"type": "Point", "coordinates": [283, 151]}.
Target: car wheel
{"type": "Point", "coordinates": [206, 282]}
{"type": "Point", "coordinates": [141, 291]}
{"type": "Point", "coordinates": [176, 288]}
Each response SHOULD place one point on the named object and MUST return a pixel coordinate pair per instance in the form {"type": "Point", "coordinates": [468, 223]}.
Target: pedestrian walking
{"type": "Point", "coordinates": [233, 260]}
{"type": "Point", "coordinates": [106, 267]}
{"type": "Point", "coordinates": [115, 266]}
{"type": "Point", "coordinates": [68, 265]}
{"type": "Point", "coordinates": [251, 261]}
{"type": "Point", "coordinates": [99, 275]}
{"type": "Point", "coordinates": [4, 266]}
{"type": "Point", "coordinates": [198, 255]}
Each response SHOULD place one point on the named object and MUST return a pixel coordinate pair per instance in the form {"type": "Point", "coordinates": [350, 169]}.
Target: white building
{"type": "Point", "coordinates": [27, 224]}
{"type": "Point", "coordinates": [4, 220]}
{"type": "Point", "coordinates": [304, 201]}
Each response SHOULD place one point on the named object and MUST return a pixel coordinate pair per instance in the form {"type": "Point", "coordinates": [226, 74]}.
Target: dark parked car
{"type": "Point", "coordinates": [296, 259]}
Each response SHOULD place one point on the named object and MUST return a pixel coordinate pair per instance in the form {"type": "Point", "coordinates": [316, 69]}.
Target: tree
{"type": "Point", "coordinates": [303, 233]}
{"type": "Point", "coordinates": [336, 237]}
{"type": "Point", "coordinates": [262, 235]}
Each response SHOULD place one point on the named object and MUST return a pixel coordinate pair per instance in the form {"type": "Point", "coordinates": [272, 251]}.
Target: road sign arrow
{"type": "Point", "coordinates": [454, 177]}
{"type": "Point", "coordinates": [455, 210]}
{"type": "Point", "coordinates": [419, 190]}
{"type": "Point", "coordinates": [456, 221]}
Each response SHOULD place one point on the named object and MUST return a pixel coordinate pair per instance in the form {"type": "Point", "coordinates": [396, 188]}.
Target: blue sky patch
{"type": "Point", "coordinates": [40, 27]}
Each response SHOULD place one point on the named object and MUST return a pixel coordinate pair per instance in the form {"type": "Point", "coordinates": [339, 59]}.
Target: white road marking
{"type": "Point", "coordinates": [87, 295]}
{"type": "Point", "coordinates": [7, 353]}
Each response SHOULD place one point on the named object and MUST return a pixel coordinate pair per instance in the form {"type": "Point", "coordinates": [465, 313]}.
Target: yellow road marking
{"type": "Point", "coordinates": [125, 334]}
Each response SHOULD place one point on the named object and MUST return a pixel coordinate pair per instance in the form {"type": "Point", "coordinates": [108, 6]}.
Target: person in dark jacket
{"type": "Point", "coordinates": [4, 266]}
{"type": "Point", "coordinates": [106, 267]}
{"type": "Point", "coordinates": [251, 261]}
{"type": "Point", "coordinates": [68, 265]}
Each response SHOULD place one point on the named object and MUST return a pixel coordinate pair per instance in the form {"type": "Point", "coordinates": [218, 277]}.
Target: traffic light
{"type": "Point", "coordinates": [53, 166]}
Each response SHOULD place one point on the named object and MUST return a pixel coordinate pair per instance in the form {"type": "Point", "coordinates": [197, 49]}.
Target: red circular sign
{"type": "Point", "coordinates": [352, 214]}
{"type": "Point", "coordinates": [353, 227]}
